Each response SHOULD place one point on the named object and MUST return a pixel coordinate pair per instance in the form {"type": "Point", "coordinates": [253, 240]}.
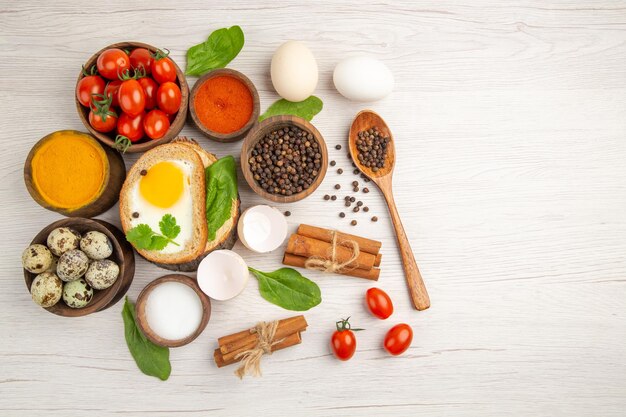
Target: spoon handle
{"type": "Point", "coordinates": [414, 280]}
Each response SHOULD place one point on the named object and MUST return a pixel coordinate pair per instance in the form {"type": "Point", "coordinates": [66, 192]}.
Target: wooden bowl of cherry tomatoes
{"type": "Point", "coordinates": [132, 97]}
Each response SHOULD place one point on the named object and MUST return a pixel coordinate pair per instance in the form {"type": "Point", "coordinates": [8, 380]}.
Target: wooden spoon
{"type": "Point", "coordinates": [365, 120]}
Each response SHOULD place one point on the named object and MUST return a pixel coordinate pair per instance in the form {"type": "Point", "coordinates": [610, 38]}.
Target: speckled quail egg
{"type": "Point", "coordinates": [72, 265]}
{"type": "Point", "coordinates": [46, 289]}
{"type": "Point", "coordinates": [77, 294]}
{"type": "Point", "coordinates": [62, 239]}
{"type": "Point", "coordinates": [102, 274]}
{"type": "Point", "coordinates": [36, 258]}
{"type": "Point", "coordinates": [96, 245]}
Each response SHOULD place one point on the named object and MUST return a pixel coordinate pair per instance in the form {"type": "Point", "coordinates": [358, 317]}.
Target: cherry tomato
{"type": "Point", "coordinates": [112, 89]}
{"type": "Point", "coordinates": [131, 97]}
{"type": "Point", "coordinates": [168, 97]}
{"type": "Point", "coordinates": [156, 124]}
{"type": "Point", "coordinates": [141, 57]}
{"type": "Point", "coordinates": [163, 70]}
{"type": "Point", "coordinates": [379, 303]}
{"type": "Point", "coordinates": [103, 120]}
{"type": "Point", "coordinates": [91, 84]}
{"type": "Point", "coordinates": [112, 63]}
{"type": "Point", "coordinates": [150, 88]}
{"type": "Point", "coordinates": [398, 339]}
{"type": "Point", "coordinates": [131, 126]}
{"type": "Point", "coordinates": [343, 340]}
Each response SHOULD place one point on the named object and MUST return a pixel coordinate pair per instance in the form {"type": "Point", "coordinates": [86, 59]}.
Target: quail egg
{"type": "Point", "coordinates": [77, 294]}
{"type": "Point", "coordinates": [62, 239]}
{"type": "Point", "coordinates": [36, 259]}
{"type": "Point", "coordinates": [102, 274]}
{"type": "Point", "coordinates": [46, 289]}
{"type": "Point", "coordinates": [96, 245]}
{"type": "Point", "coordinates": [72, 265]}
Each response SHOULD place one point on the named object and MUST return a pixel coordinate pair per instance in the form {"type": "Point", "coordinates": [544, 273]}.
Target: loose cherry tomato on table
{"type": "Point", "coordinates": [398, 339]}
{"type": "Point", "coordinates": [112, 89]}
{"type": "Point", "coordinates": [156, 124]}
{"type": "Point", "coordinates": [131, 97]}
{"type": "Point", "coordinates": [379, 303]}
{"type": "Point", "coordinates": [141, 58]}
{"type": "Point", "coordinates": [163, 69]}
{"type": "Point", "coordinates": [131, 126]}
{"type": "Point", "coordinates": [168, 97]}
{"type": "Point", "coordinates": [150, 88]}
{"type": "Point", "coordinates": [112, 63]}
{"type": "Point", "coordinates": [343, 340]}
{"type": "Point", "coordinates": [88, 85]}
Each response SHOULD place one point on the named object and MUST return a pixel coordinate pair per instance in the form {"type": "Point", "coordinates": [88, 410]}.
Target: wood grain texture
{"type": "Point", "coordinates": [509, 126]}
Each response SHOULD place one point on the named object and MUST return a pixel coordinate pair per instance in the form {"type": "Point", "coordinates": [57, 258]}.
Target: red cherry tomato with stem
{"type": "Point", "coordinates": [112, 89]}
{"type": "Point", "coordinates": [343, 340]}
{"type": "Point", "coordinates": [131, 97]}
{"type": "Point", "coordinates": [168, 97]}
{"type": "Point", "coordinates": [398, 339]}
{"type": "Point", "coordinates": [379, 303]}
{"type": "Point", "coordinates": [156, 124]}
{"type": "Point", "coordinates": [112, 63]}
{"type": "Point", "coordinates": [102, 119]}
{"type": "Point", "coordinates": [150, 88]}
{"type": "Point", "coordinates": [88, 85]}
{"type": "Point", "coordinates": [141, 57]}
{"type": "Point", "coordinates": [131, 126]}
{"type": "Point", "coordinates": [163, 69]}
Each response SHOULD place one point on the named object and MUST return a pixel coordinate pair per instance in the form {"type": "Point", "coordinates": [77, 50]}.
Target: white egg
{"type": "Point", "coordinates": [181, 206]}
{"type": "Point", "coordinates": [363, 78]}
{"type": "Point", "coordinates": [294, 71]}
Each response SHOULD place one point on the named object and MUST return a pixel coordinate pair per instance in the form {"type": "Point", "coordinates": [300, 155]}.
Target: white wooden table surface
{"type": "Point", "coordinates": [510, 126]}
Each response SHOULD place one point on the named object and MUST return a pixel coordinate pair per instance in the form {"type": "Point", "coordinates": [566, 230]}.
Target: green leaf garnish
{"type": "Point", "coordinates": [151, 359]}
{"type": "Point", "coordinates": [143, 237]}
{"type": "Point", "coordinates": [221, 190]}
{"type": "Point", "coordinates": [222, 46]}
{"type": "Point", "coordinates": [288, 289]}
{"type": "Point", "coordinates": [306, 109]}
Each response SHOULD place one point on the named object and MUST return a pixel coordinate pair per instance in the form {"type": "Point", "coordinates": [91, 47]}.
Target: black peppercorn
{"type": "Point", "coordinates": [342, 214]}
{"type": "Point", "coordinates": [337, 186]}
{"type": "Point", "coordinates": [374, 219]}
{"type": "Point", "coordinates": [333, 197]}
{"type": "Point", "coordinates": [287, 213]}
{"type": "Point", "coordinates": [333, 163]}
{"type": "Point", "coordinates": [340, 171]}
{"type": "Point", "coordinates": [338, 147]}
{"type": "Point", "coordinates": [143, 172]}
{"type": "Point", "coordinates": [353, 222]}
{"type": "Point", "coordinates": [356, 209]}
{"type": "Point", "coordinates": [326, 197]}
{"type": "Point", "coordinates": [359, 203]}
{"type": "Point", "coordinates": [366, 209]}
{"type": "Point", "coordinates": [135, 215]}
{"type": "Point", "coordinates": [366, 190]}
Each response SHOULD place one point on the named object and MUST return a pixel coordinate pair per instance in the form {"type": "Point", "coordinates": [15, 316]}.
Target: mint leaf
{"type": "Point", "coordinates": [222, 46]}
{"type": "Point", "coordinates": [305, 109]}
{"type": "Point", "coordinates": [140, 236]}
{"type": "Point", "coordinates": [168, 226]}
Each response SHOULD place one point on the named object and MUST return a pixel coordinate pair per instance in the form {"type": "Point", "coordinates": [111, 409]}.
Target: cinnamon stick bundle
{"type": "Point", "coordinates": [300, 261]}
{"type": "Point", "coordinates": [232, 347]}
{"type": "Point", "coordinates": [326, 235]}
{"type": "Point", "coordinates": [309, 247]}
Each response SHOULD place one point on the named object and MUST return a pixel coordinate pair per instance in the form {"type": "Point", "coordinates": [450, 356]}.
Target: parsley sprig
{"type": "Point", "coordinates": [143, 237]}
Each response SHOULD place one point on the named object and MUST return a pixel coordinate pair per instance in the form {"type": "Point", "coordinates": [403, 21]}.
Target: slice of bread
{"type": "Point", "coordinates": [195, 247]}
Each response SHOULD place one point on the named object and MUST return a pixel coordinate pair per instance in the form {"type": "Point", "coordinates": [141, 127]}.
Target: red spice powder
{"type": "Point", "coordinates": [223, 104]}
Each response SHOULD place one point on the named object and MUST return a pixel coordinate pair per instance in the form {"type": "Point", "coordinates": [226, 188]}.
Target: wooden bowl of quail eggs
{"type": "Point", "coordinates": [77, 266]}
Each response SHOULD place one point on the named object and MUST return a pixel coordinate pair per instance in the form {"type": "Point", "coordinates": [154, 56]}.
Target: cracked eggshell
{"type": "Point", "coordinates": [262, 228]}
{"type": "Point", "coordinates": [363, 78]}
{"type": "Point", "coordinates": [37, 258]}
{"type": "Point", "coordinates": [222, 274]}
{"type": "Point", "coordinates": [294, 71]}
{"type": "Point", "coordinates": [46, 289]}
{"type": "Point", "coordinates": [63, 239]}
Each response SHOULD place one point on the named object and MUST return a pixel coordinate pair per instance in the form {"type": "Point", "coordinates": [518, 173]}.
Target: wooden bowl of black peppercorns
{"type": "Point", "coordinates": [284, 159]}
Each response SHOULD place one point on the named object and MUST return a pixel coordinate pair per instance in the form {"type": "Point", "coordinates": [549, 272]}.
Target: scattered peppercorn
{"type": "Point", "coordinates": [353, 222]}
{"type": "Point", "coordinates": [338, 147]}
{"type": "Point", "coordinates": [135, 215]}
{"type": "Point", "coordinates": [352, 199]}
{"type": "Point", "coordinates": [287, 213]}
{"type": "Point", "coordinates": [337, 186]}
{"type": "Point", "coordinates": [355, 189]}
{"type": "Point", "coordinates": [374, 219]}
{"type": "Point", "coordinates": [340, 171]}
{"type": "Point", "coordinates": [326, 197]}
{"type": "Point", "coordinates": [286, 161]}
{"type": "Point", "coordinates": [333, 197]}
{"type": "Point", "coordinates": [355, 183]}
{"type": "Point", "coordinates": [347, 203]}
{"type": "Point", "coordinates": [356, 172]}
{"type": "Point", "coordinates": [372, 145]}
{"type": "Point", "coordinates": [359, 203]}
{"type": "Point", "coordinates": [342, 214]}
{"type": "Point", "coordinates": [366, 209]}
{"type": "Point", "coordinates": [333, 163]}
{"type": "Point", "coordinates": [366, 190]}
{"type": "Point", "coordinates": [356, 209]}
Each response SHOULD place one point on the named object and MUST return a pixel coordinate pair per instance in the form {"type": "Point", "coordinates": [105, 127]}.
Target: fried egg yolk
{"type": "Point", "coordinates": [162, 185]}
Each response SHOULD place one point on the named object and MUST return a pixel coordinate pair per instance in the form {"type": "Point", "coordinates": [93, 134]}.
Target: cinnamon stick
{"type": "Point", "coordinates": [325, 235]}
{"type": "Point", "coordinates": [224, 360]}
{"type": "Point", "coordinates": [309, 247]}
{"type": "Point", "coordinates": [299, 261]}
{"type": "Point", "coordinates": [247, 340]}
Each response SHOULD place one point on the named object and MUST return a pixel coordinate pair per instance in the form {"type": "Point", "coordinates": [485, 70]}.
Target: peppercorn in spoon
{"type": "Point", "coordinates": [371, 147]}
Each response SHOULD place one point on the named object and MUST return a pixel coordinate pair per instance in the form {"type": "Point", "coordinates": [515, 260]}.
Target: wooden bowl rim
{"type": "Point", "coordinates": [60, 308]}
{"type": "Point", "coordinates": [256, 106]}
{"type": "Point", "coordinates": [175, 127]}
{"type": "Point", "coordinates": [142, 322]}
{"type": "Point", "coordinates": [254, 136]}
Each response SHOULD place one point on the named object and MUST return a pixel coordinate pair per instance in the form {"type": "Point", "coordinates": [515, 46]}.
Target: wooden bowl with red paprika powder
{"type": "Point", "coordinates": [177, 120]}
{"type": "Point", "coordinates": [224, 105]}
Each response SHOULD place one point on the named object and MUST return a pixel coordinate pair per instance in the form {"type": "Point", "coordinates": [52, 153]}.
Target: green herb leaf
{"type": "Point", "coordinates": [143, 237]}
{"type": "Point", "coordinates": [168, 226]}
{"type": "Point", "coordinates": [222, 46]}
{"type": "Point", "coordinates": [288, 289]}
{"type": "Point", "coordinates": [221, 190]}
{"type": "Point", "coordinates": [151, 359]}
{"type": "Point", "coordinates": [305, 109]}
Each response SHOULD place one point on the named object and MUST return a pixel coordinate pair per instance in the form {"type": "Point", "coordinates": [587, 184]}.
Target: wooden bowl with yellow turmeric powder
{"type": "Point", "coordinates": [71, 173]}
